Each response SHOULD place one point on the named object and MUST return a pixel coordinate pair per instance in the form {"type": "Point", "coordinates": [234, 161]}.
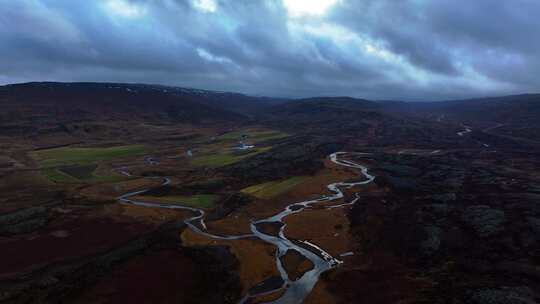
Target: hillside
{"type": "Point", "coordinates": [513, 116]}
{"type": "Point", "coordinates": [60, 102]}
{"type": "Point", "coordinates": [37, 107]}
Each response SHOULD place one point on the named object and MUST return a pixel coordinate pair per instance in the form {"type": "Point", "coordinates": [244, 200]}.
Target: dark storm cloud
{"type": "Point", "coordinates": [495, 39]}
{"type": "Point", "coordinates": [409, 49]}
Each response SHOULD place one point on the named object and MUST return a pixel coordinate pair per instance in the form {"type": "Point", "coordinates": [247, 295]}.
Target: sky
{"type": "Point", "coordinates": [375, 49]}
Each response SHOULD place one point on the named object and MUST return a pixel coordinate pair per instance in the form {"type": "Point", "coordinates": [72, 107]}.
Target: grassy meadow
{"type": "Point", "coordinates": [76, 164]}
{"type": "Point", "coordinates": [254, 135]}
{"type": "Point", "coordinates": [204, 201]}
{"type": "Point", "coordinates": [224, 158]}
{"type": "Point", "coordinates": [66, 156]}
{"type": "Point", "coordinates": [272, 189]}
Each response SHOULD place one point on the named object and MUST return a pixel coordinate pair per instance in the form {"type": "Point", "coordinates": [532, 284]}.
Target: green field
{"type": "Point", "coordinates": [272, 189]}
{"type": "Point", "coordinates": [67, 156]}
{"type": "Point", "coordinates": [78, 165]}
{"type": "Point", "coordinates": [58, 176]}
{"type": "Point", "coordinates": [66, 175]}
{"type": "Point", "coordinates": [226, 158]}
{"type": "Point", "coordinates": [220, 152]}
{"type": "Point", "coordinates": [253, 136]}
{"type": "Point", "coordinates": [199, 201]}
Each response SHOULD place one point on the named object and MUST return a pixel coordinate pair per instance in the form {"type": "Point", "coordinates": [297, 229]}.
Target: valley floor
{"type": "Point", "coordinates": [436, 225]}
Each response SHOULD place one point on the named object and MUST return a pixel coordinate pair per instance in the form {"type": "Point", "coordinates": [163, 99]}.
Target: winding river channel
{"type": "Point", "coordinates": [294, 291]}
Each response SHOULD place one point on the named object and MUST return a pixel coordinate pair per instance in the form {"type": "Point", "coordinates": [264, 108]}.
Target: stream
{"type": "Point", "coordinates": [294, 291]}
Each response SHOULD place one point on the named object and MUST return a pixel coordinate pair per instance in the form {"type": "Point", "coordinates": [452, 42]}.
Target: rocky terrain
{"type": "Point", "coordinates": [462, 224]}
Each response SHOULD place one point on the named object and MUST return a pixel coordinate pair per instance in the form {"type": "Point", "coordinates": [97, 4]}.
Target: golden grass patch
{"type": "Point", "coordinates": [236, 223]}
{"type": "Point", "coordinates": [331, 233]}
{"type": "Point", "coordinates": [274, 188]}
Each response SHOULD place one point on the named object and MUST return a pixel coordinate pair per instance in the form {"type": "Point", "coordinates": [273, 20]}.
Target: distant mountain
{"type": "Point", "coordinates": [505, 109]}
{"type": "Point", "coordinates": [516, 116]}
{"type": "Point", "coordinates": [356, 121]}
{"type": "Point", "coordinates": [96, 110]}
{"type": "Point", "coordinates": [322, 108]}
{"type": "Point", "coordinates": [322, 114]}
{"type": "Point", "coordinates": [44, 105]}
{"type": "Point", "coordinates": [316, 104]}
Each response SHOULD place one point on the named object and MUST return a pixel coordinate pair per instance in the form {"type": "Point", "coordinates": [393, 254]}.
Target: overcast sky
{"type": "Point", "coordinates": [377, 49]}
